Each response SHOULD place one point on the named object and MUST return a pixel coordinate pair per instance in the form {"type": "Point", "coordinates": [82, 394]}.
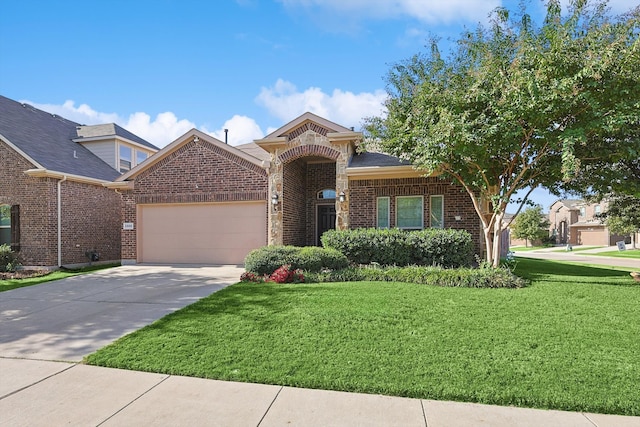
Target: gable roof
{"type": "Point", "coordinates": [46, 141]}
{"type": "Point", "coordinates": [571, 204]}
{"type": "Point", "coordinates": [300, 120]}
{"type": "Point", "coordinates": [190, 136]}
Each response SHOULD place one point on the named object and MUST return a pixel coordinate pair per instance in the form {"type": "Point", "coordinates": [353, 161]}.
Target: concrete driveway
{"type": "Point", "coordinates": [68, 319]}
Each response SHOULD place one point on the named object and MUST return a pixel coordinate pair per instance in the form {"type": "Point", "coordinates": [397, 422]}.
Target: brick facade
{"type": "Point", "coordinates": [90, 215]}
{"type": "Point", "coordinates": [196, 172]}
{"type": "Point", "coordinates": [364, 193]}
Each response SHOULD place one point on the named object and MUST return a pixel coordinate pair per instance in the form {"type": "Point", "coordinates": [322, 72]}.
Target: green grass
{"type": "Point", "coordinates": [569, 341]}
{"type": "Point", "coordinates": [526, 248]}
{"type": "Point", "coordinates": [8, 284]}
{"type": "Point", "coordinates": [577, 248]}
{"type": "Point", "coordinates": [629, 253]}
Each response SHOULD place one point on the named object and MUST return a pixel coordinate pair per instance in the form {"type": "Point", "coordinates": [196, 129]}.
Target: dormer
{"type": "Point", "coordinates": [116, 146]}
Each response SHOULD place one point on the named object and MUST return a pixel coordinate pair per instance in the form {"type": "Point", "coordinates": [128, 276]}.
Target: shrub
{"type": "Point", "coordinates": [426, 275]}
{"type": "Point", "coordinates": [9, 260]}
{"type": "Point", "coordinates": [285, 274]}
{"type": "Point", "coordinates": [248, 276]}
{"type": "Point", "coordinates": [444, 247]}
{"type": "Point", "coordinates": [266, 260]}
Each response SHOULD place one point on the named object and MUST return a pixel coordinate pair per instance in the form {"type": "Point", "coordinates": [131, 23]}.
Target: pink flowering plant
{"type": "Point", "coordinates": [285, 274]}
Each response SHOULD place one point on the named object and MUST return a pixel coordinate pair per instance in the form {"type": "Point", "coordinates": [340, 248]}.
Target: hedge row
{"type": "Point", "coordinates": [442, 247]}
{"type": "Point", "coordinates": [436, 276]}
{"type": "Point", "coordinates": [268, 259]}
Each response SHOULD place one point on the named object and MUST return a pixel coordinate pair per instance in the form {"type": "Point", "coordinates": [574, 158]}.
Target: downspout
{"type": "Point", "coordinates": [64, 178]}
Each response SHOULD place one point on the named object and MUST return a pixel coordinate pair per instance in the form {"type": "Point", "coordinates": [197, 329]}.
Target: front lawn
{"type": "Point", "coordinates": [629, 253]}
{"type": "Point", "coordinates": [569, 341]}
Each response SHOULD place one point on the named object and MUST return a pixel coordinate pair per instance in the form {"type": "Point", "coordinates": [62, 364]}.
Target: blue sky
{"type": "Point", "coordinates": [162, 67]}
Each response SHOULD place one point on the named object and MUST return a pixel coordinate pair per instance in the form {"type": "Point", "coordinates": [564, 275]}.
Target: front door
{"type": "Point", "coordinates": [326, 220]}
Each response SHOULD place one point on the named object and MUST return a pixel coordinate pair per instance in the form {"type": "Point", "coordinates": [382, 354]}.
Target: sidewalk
{"type": "Point", "coordinates": [45, 393]}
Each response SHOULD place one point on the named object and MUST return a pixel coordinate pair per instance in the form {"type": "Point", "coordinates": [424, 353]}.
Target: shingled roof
{"type": "Point", "coordinates": [47, 141]}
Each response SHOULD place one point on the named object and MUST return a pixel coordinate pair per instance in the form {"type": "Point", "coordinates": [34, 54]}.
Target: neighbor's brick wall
{"type": "Point", "coordinates": [363, 194]}
{"type": "Point", "coordinates": [90, 221]}
{"type": "Point", "coordinates": [320, 176]}
{"type": "Point", "coordinates": [293, 203]}
{"type": "Point", "coordinates": [197, 172]}
{"type": "Point", "coordinates": [90, 215]}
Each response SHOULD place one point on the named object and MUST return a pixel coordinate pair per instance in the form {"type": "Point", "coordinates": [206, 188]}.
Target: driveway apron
{"type": "Point", "coordinates": [68, 319]}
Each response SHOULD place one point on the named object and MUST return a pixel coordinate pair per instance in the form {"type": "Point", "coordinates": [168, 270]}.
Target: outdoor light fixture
{"type": "Point", "coordinates": [342, 197]}
{"type": "Point", "coordinates": [274, 199]}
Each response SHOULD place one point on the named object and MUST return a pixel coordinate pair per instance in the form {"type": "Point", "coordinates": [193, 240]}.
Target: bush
{"type": "Point", "coordinates": [426, 275]}
{"type": "Point", "coordinates": [266, 260]}
{"type": "Point", "coordinates": [444, 247]}
{"type": "Point", "coordinates": [9, 260]}
{"type": "Point", "coordinates": [286, 274]}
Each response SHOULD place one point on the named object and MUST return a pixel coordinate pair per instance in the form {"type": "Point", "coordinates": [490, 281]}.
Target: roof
{"type": "Point", "coordinates": [45, 139]}
{"type": "Point", "coordinates": [307, 117]}
{"type": "Point", "coordinates": [254, 150]}
{"type": "Point", "coordinates": [110, 130]}
{"type": "Point", "coordinates": [363, 160]}
{"type": "Point", "coordinates": [571, 204]}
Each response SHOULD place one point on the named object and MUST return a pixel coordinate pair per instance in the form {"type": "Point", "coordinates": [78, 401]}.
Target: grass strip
{"type": "Point", "coordinates": [9, 284]}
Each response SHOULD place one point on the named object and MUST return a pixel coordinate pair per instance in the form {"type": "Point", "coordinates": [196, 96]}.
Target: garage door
{"type": "Point", "coordinates": [217, 233]}
{"type": "Point", "coordinates": [592, 237]}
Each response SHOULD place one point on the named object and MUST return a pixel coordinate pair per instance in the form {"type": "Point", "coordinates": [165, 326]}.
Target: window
{"type": "Point", "coordinates": [141, 156]}
{"type": "Point", "coordinates": [436, 212]}
{"type": "Point", "coordinates": [583, 211]}
{"type": "Point", "coordinates": [5, 225]}
{"type": "Point", "coordinates": [409, 212]}
{"type": "Point", "coordinates": [125, 158]}
{"type": "Point", "coordinates": [382, 209]}
{"type": "Point", "coordinates": [597, 209]}
{"type": "Point", "coordinates": [10, 226]}
{"type": "Point", "coordinates": [327, 194]}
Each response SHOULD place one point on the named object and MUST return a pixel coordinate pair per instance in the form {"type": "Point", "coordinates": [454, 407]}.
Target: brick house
{"type": "Point", "coordinates": [199, 200]}
{"type": "Point", "coordinates": [54, 207]}
{"type": "Point", "coordinates": [573, 222]}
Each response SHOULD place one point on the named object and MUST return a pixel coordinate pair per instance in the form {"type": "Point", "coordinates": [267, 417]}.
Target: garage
{"type": "Point", "coordinates": [200, 233]}
{"type": "Point", "coordinates": [591, 236]}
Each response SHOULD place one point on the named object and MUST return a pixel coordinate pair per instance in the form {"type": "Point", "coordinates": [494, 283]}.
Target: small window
{"type": "Point", "coordinates": [141, 156]}
{"type": "Point", "coordinates": [436, 212]}
{"type": "Point", "coordinates": [125, 158]}
{"type": "Point", "coordinates": [409, 212]}
{"type": "Point", "coordinates": [382, 216]}
{"type": "Point", "coordinates": [597, 210]}
{"type": "Point", "coordinates": [583, 211]}
{"type": "Point", "coordinates": [327, 194]}
{"type": "Point", "coordinates": [5, 225]}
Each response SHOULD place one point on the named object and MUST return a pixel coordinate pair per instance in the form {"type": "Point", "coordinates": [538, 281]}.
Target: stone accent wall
{"type": "Point", "coordinates": [90, 215]}
{"type": "Point", "coordinates": [363, 195]}
{"type": "Point", "coordinates": [197, 172]}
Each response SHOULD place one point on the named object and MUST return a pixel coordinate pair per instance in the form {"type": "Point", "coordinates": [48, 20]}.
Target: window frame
{"type": "Point", "coordinates": [388, 218]}
{"type": "Point", "coordinates": [7, 226]}
{"type": "Point", "coordinates": [403, 227]}
{"type": "Point", "coordinates": [120, 157]}
{"type": "Point", "coordinates": [138, 160]}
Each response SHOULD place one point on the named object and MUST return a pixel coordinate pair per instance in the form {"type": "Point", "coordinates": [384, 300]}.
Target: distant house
{"type": "Point", "coordinates": [573, 221]}
{"type": "Point", "coordinates": [54, 207]}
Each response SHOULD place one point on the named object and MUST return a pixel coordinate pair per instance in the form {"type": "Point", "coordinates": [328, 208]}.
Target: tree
{"type": "Point", "coordinates": [623, 215]}
{"type": "Point", "coordinates": [531, 224]}
{"type": "Point", "coordinates": [517, 106]}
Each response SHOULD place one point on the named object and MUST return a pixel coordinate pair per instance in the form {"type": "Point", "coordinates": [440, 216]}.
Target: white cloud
{"type": "Point", "coordinates": [284, 101]}
{"type": "Point", "coordinates": [242, 129]}
{"type": "Point", "coordinates": [429, 11]}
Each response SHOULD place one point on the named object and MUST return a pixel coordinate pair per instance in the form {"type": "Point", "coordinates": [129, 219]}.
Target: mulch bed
{"type": "Point", "coordinates": [22, 274]}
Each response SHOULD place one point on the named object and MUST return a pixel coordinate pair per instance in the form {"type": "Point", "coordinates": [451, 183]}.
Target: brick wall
{"type": "Point", "coordinates": [294, 190]}
{"type": "Point", "coordinates": [91, 215]}
{"type": "Point", "coordinates": [197, 172]}
{"type": "Point", "coordinates": [363, 195]}
{"type": "Point", "coordinates": [320, 176]}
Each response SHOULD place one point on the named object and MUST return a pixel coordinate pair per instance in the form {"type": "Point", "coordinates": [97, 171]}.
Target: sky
{"type": "Point", "coordinates": [162, 67]}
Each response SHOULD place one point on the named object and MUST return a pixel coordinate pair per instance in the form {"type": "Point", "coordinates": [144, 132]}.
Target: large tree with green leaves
{"type": "Point", "coordinates": [623, 215]}
{"type": "Point", "coordinates": [518, 105]}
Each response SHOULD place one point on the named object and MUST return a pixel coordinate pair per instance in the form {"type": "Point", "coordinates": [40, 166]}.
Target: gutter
{"type": "Point", "coordinates": [64, 178]}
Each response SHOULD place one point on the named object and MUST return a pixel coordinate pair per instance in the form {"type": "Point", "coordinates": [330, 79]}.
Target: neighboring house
{"type": "Point", "coordinates": [509, 222]}
{"type": "Point", "coordinates": [573, 222]}
{"type": "Point", "coordinates": [199, 200]}
{"type": "Point", "coordinates": [54, 207]}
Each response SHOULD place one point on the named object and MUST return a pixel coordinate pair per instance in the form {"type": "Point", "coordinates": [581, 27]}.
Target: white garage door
{"type": "Point", "coordinates": [215, 233]}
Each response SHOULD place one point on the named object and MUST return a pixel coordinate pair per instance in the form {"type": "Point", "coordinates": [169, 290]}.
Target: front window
{"type": "Point", "coordinates": [5, 225]}
{"type": "Point", "coordinates": [141, 156]}
{"type": "Point", "coordinates": [382, 216]}
{"type": "Point", "coordinates": [125, 158]}
{"type": "Point", "coordinates": [437, 212]}
{"type": "Point", "coordinates": [409, 212]}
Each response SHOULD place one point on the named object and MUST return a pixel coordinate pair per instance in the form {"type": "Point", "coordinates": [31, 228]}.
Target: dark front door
{"type": "Point", "coordinates": [326, 220]}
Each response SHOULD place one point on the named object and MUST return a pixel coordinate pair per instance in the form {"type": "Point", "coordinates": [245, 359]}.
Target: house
{"type": "Point", "coordinates": [573, 221]}
{"type": "Point", "coordinates": [54, 207]}
{"type": "Point", "coordinates": [199, 200]}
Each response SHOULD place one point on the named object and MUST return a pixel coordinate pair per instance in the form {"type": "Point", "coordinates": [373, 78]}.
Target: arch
{"type": "Point", "coordinates": [308, 150]}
